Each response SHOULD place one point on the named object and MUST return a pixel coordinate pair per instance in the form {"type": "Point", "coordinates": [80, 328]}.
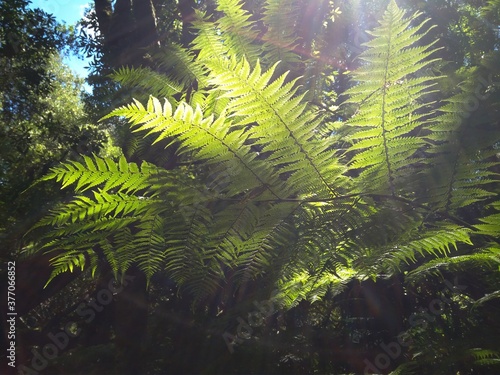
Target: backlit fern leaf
{"type": "Point", "coordinates": [239, 32]}
{"type": "Point", "coordinates": [208, 41]}
{"type": "Point", "coordinates": [72, 259]}
{"type": "Point", "coordinates": [119, 176]}
{"type": "Point", "coordinates": [438, 242]}
{"type": "Point", "coordinates": [389, 94]}
{"type": "Point", "coordinates": [257, 252]}
{"type": "Point", "coordinates": [187, 257]}
{"type": "Point", "coordinates": [260, 187]}
{"type": "Point", "coordinates": [490, 225]}
{"type": "Point", "coordinates": [286, 126]}
{"type": "Point", "coordinates": [300, 286]}
{"type": "Point", "coordinates": [211, 140]}
{"type": "Point", "coordinates": [103, 204]}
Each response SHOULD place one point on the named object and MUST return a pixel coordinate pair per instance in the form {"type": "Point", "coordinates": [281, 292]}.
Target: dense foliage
{"type": "Point", "coordinates": [42, 120]}
{"type": "Point", "coordinates": [357, 211]}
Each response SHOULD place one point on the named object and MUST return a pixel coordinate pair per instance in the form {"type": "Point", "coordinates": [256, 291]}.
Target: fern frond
{"type": "Point", "coordinates": [72, 259]}
{"type": "Point", "coordinates": [491, 9]}
{"type": "Point", "coordinates": [118, 176]}
{"type": "Point", "coordinates": [431, 242]}
{"type": "Point", "coordinates": [490, 224]}
{"type": "Point", "coordinates": [103, 204]}
{"type": "Point", "coordinates": [485, 357]}
{"type": "Point", "coordinates": [155, 83]}
{"type": "Point", "coordinates": [281, 19]}
{"type": "Point", "coordinates": [187, 258]}
{"type": "Point", "coordinates": [257, 251]}
{"type": "Point", "coordinates": [285, 125]}
{"type": "Point", "coordinates": [208, 42]}
{"type": "Point", "coordinates": [487, 258]}
{"type": "Point", "coordinates": [180, 64]}
{"type": "Point", "coordinates": [239, 31]}
{"type": "Point", "coordinates": [213, 141]}
{"type": "Point", "coordinates": [407, 246]}
{"type": "Point", "coordinates": [149, 246]}
{"type": "Point", "coordinates": [301, 287]}
{"type": "Point", "coordinates": [211, 103]}
{"type": "Point", "coordinates": [259, 184]}
{"type": "Point", "coordinates": [194, 270]}
{"type": "Point", "coordinates": [384, 128]}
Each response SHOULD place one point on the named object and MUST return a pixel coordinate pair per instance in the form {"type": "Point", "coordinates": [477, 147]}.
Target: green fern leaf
{"type": "Point", "coordinates": [389, 113]}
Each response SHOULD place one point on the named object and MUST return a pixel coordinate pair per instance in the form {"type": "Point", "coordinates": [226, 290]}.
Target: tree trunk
{"type": "Point", "coordinates": [128, 29]}
{"type": "Point", "coordinates": [146, 33]}
{"type": "Point", "coordinates": [104, 11]}
{"type": "Point", "coordinates": [186, 9]}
